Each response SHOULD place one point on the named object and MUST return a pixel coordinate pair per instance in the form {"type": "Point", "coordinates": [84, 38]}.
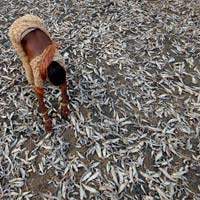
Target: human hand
{"type": "Point", "coordinates": [65, 111]}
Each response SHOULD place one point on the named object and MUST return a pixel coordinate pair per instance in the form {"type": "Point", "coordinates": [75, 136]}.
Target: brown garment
{"type": "Point", "coordinates": [32, 69]}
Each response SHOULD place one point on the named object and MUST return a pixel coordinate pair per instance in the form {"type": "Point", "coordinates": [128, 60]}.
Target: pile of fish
{"type": "Point", "coordinates": [134, 89]}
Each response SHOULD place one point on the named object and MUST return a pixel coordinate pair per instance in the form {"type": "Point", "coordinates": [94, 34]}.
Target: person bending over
{"type": "Point", "coordinates": [41, 60]}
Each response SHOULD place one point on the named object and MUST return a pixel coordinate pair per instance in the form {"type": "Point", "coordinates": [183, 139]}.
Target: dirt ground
{"type": "Point", "coordinates": [133, 86]}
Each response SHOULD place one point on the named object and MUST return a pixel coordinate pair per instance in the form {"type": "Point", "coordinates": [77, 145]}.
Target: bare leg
{"type": "Point", "coordinates": [47, 120]}
{"type": "Point", "coordinates": [64, 109]}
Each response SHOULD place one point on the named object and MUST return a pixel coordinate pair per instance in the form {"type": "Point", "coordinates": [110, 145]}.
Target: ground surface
{"type": "Point", "coordinates": [133, 76]}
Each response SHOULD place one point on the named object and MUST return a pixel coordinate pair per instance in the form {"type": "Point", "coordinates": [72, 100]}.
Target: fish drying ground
{"type": "Point", "coordinates": [133, 80]}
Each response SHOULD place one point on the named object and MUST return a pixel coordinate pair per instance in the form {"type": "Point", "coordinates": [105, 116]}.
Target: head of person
{"type": "Point", "coordinates": [56, 73]}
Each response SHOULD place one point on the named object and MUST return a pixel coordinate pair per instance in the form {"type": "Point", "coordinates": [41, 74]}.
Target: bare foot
{"type": "Point", "coordinates": [48, 125]}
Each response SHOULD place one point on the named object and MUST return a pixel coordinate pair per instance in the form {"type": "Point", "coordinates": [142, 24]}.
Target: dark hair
{"type": "Point", "coordinates": [56, 73]}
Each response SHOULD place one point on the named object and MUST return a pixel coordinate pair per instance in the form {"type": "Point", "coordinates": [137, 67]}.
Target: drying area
{"type": "Point", "coordinates": [134, 87]}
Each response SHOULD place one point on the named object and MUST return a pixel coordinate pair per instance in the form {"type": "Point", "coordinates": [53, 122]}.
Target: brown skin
{"type": "Point", "coordinates": [64, 110]}
{"type": "Point", "coordinates": [34, 44]}
{"type": "Point", "coordinates": [47, 120]}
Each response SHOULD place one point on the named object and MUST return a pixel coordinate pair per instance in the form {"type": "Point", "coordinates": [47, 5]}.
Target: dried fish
{"type": "Point", "coordinates": [94, 176]}
{"type": "Point", "coordinates": [133, 86]}
{"type": "Point", "coordinates": [90, 189]}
